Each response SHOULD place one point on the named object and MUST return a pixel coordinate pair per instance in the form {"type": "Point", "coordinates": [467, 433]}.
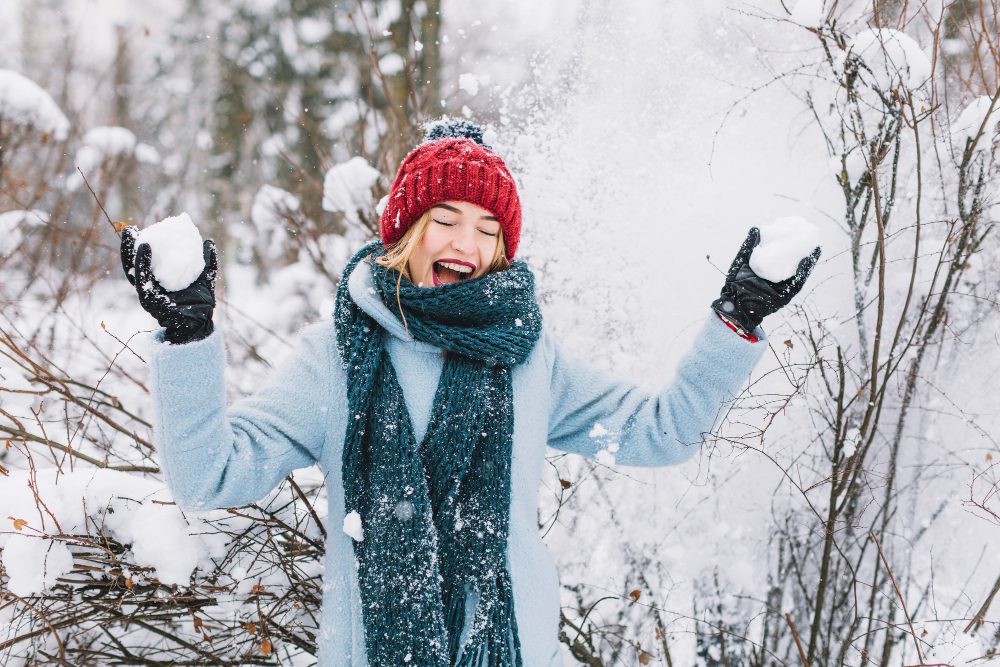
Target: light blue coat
{"type": "Point", "coordinates": [218, 457]}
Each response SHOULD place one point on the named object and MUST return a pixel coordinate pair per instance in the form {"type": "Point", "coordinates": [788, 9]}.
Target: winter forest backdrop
{"type": "Point", "coordinates": [847, 512]}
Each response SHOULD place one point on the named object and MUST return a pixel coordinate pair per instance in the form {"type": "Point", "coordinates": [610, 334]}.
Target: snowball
{"type": "Point", "coordinates": [971, 119]}
{"type": "Point", "coordinates": [178, 258]}
{"type": "Point", "coordinates": [352, 526]}
{"type": "Point", "coordinates": [24, 101]}
{"type": "Point", "coordinates": [469, 83]}
{"type": "Point", "coordinates": [809, 13]}
{"type": "Point", "coordinates": [348, 187]}
{"type": "Point", "coordinates": [892, 56]}
{"type": "Point", "coordinates": [783, 244]}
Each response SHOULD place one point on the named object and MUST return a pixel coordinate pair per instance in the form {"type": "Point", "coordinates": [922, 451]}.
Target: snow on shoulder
{"type": "Point", "coordinates": [25, 102]}
{"type": "Point", "coordinates": [177, 258]}
{"type": "Point", "coordinates": [783, 244]}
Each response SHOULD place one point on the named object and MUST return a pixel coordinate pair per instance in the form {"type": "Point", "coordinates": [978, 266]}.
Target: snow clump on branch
{"type": "Point", "coordinates": [809, 13]}
{"type": "Point", "coordinates": [347, 188]}
{"type": "Point", "coordinates": [104, 143]}
{"type": "Point", "coordinates": [893, 58]}
{"type": "Point", "coordinates": [23, 101]}
{"type": "Point", "coordinates": [974, 116]}
{"type": "Point", "coordinates": [123, 504]}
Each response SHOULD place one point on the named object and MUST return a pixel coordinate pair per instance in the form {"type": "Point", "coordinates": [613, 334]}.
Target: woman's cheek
{"type": "Point", "coordinates": [487, 252]}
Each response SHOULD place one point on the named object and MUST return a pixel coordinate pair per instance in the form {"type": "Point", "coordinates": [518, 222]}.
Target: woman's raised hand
{"type": "Point", "coordinates": [186, 314]}
{"type": "Point", "coordinates": [747, 298]}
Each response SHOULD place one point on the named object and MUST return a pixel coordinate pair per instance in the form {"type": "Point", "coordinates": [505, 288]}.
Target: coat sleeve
{"type": "Point", "coordinates": [597, 416]}
{"type": "Point", "coordinates": [214, 457]}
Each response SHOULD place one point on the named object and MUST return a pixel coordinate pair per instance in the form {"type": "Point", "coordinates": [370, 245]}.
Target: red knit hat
{"type": "Point", "coordinates": [452, 169]}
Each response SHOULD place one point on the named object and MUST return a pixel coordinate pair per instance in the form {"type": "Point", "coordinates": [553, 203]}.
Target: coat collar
{"type": "Point", "coordinates": [361, 287]}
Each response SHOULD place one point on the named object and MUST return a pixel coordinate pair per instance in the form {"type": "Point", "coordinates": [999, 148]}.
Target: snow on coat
{"type": "Point", "coordinates": [218, 457]}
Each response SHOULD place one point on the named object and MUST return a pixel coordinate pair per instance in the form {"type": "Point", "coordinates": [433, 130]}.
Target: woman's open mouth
{"type": "Point", "coordinates": [451, 271]}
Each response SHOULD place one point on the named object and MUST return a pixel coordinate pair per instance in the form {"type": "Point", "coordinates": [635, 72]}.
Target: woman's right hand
{"type": "Point", "coordinates": [186, 314]}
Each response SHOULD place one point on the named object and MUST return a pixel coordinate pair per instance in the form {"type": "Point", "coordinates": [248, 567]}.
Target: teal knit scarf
{"type": "Point", "coordinates": [435, 514]}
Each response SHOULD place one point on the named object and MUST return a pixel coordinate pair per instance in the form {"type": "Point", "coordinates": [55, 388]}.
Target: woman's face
{"type": "Point", "coordinates": [459, 244]}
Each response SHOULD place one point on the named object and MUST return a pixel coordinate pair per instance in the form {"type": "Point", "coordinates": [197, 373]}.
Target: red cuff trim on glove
{"type": "Point", "coordinates": [739, 331]}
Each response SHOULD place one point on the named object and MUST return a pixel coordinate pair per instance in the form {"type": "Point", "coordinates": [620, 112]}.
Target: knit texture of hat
{"type": "Point", "coordinates": [452, 169]}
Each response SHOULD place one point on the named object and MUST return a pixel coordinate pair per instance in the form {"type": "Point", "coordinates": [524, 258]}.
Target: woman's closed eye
{"type": "Point", "coordinates": [444, 222]}
{"type": "Point", "coordinates": [488, 232]}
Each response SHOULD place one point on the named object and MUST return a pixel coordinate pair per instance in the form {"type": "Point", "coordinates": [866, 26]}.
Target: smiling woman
{"type": "Point", "coordinates": [429, 402]}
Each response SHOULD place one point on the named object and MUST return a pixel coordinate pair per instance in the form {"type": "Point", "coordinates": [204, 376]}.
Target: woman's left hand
{"type": "Point", "coordinates": [747, 298]}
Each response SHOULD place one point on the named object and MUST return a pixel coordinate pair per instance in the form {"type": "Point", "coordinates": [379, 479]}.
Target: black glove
{"type": "Point", "coordinates": [747, 298]}
{"type": "Point", "coordinates": [186, 314]}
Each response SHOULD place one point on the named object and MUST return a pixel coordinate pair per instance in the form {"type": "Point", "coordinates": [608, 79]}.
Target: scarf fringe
{"type": "Point", "coordinates": [493, 641]}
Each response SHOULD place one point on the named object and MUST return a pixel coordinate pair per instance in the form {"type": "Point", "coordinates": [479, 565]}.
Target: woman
{"type": "Point", "coordinates": [429, 402]}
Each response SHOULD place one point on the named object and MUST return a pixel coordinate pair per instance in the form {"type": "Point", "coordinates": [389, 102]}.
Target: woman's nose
{"type": "Point", "coordinates": [464, 240]}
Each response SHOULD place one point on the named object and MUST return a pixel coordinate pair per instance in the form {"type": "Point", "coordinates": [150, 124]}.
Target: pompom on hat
{"type": "Point", "coordinates": [452, 164]}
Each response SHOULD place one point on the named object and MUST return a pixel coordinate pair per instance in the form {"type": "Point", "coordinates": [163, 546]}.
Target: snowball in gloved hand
{"type": "Point", "coordinates": [177, 255]}
{"type": "Point", "coordinates": [783, 244]}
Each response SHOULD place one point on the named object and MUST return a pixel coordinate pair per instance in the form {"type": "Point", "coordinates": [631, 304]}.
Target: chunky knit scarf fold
{"type": "Point", "coordinates": [435, 514]}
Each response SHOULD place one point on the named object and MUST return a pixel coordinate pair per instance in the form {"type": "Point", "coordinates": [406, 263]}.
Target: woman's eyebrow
{"type": "Point", "coordinates": [449, 207]}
